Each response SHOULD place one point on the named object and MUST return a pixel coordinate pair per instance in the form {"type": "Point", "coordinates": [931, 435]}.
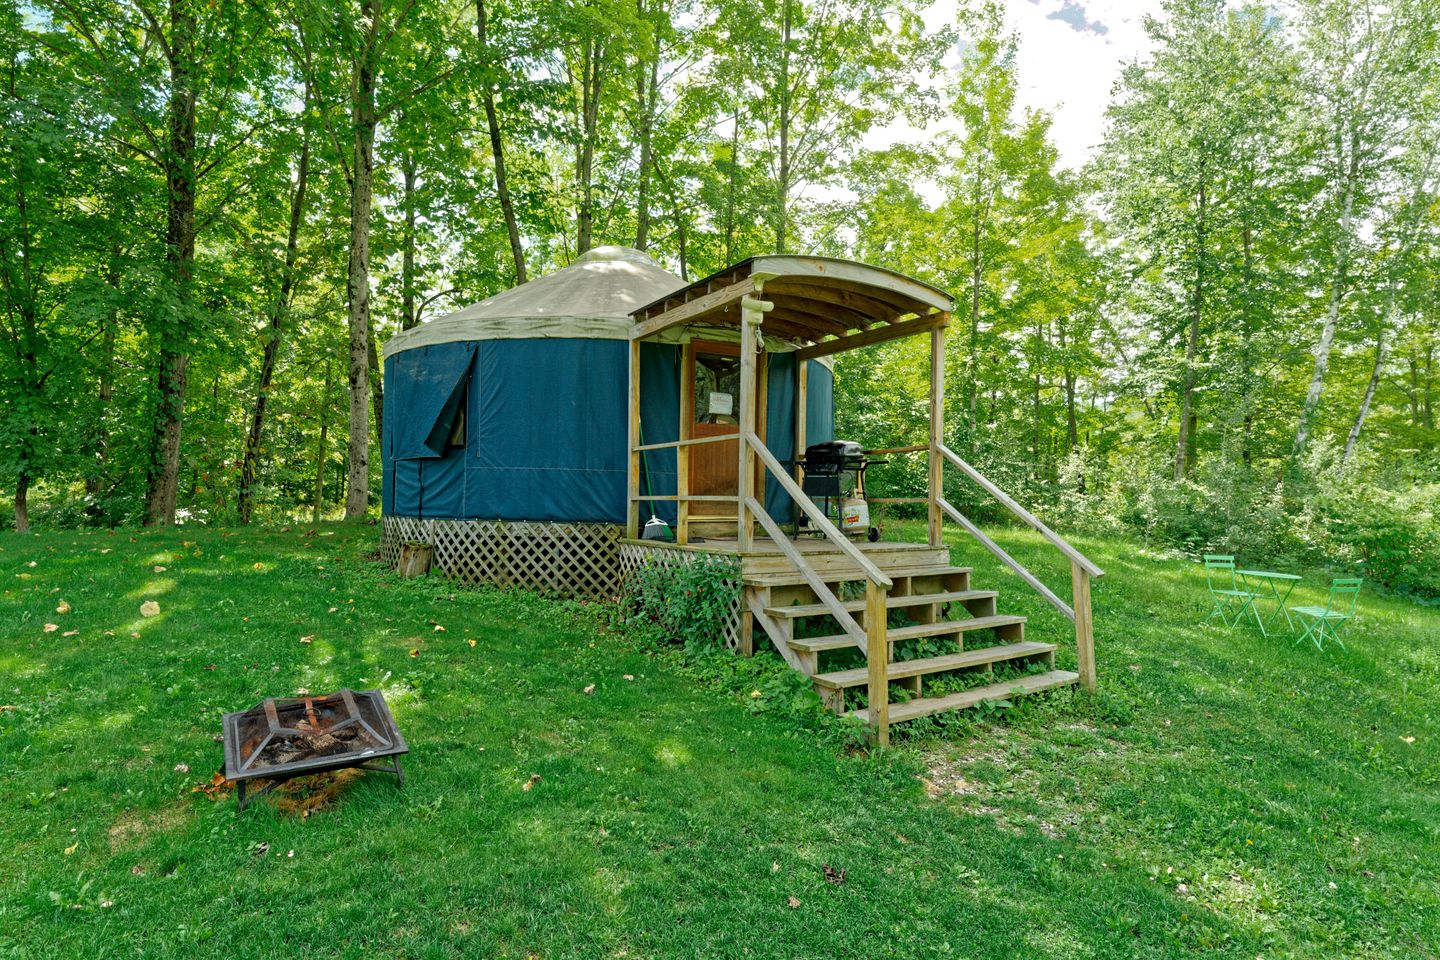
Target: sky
{"type": "Point", "coordinates": [1071, 54]}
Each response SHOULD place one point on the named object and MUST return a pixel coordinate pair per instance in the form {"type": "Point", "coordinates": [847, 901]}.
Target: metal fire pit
{"type": "Point", "coordinates": [285, 738]}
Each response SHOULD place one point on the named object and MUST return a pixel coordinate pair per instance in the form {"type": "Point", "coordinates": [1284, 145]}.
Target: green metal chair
{"type": "Point", "coordinates": [1325, 622]}
{"type": "Point", "coordinates": [1225, 589]}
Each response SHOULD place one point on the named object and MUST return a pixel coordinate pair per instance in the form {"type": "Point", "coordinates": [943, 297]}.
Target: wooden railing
{"type": "Point", "coordinates": [872, 637]}
{"type": "Point", "coordinates": [1082, 570]}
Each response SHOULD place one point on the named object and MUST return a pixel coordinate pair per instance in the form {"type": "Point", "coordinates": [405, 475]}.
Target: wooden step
{"type": "Point", "coordinates": [792, 578]}
{"type": "Point", "coordinates": [891, 602]}
{"type": "Point", "coordinates": [968, 698]}
{"type": "Point", "coordinates": [938, 629]}
{"type": "Point", "coordinates": [953, 661]}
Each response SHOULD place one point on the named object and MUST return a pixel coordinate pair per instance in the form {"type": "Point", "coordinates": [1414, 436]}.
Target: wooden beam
{"type": "Point", "coordinates": [632, 475]}
{"type": "Point", "coordinates": [687, 442]}
{"type": "Point", "coordinates": [691, 310]}
{"type": "Point", "coordinates": [802, 397]}
{"type": "Point", "coordinates": [682, 455]}
{"type": "Point", "coordinates": [1084, 626]}
{"type": "Point", "coordinates": [877, 306]}
{"type": "Point", "coordinates": [877, 664]}
{"type": "Point", "coordinates": [817, 586]}
{"type": "Point", "coordinates": [751, 313]}
{"type": "Point", "coordinates": [936, 519]}
{"type": "Point", "coordinates": [905, 328]}
{"type": "Point", "coordinates": [817, 322]}
{"type": "Point", "coordinates": [876, 280]}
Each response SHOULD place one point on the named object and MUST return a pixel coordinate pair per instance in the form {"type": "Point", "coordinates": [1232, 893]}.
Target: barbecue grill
{"type": "Point", "coordinates": [834, 475]}
{"type": "Point", "coordinates": [284, 738]}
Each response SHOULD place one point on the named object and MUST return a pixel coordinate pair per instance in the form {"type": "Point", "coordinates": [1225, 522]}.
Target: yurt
{"type": "Point", "coordinates": [505, 423]}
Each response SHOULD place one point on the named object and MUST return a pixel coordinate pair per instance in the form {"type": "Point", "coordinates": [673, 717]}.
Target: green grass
{"type": "Point", "coordinates": [1223, 794]}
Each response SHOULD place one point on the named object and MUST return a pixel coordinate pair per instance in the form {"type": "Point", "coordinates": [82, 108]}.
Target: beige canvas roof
{"type": "Point", "coordinates": [592, 298]}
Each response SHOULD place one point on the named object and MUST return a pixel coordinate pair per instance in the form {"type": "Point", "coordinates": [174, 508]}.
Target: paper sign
{"type": "Point", "coordinates": [721, 404]}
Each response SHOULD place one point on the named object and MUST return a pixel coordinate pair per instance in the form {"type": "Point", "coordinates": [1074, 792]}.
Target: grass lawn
{"type": "Point", "coordinates": [1225, 793]}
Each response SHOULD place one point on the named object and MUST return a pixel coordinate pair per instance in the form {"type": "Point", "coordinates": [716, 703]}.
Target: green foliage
{"type": "Point", "coordinates": [688, 603]}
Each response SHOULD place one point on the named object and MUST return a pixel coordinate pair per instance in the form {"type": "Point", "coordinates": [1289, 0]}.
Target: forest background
{"type": "Point", "coordinates": [1218, 333]}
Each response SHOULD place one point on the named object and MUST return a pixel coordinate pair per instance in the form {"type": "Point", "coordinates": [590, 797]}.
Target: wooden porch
{"type": "Point", "coordinates": [794, 588]}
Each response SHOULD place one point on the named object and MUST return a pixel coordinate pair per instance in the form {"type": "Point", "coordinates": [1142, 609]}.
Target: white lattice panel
{"type": "Point", "coordinates": [633, 556]}
{"type": "Point", "coordinates": [571, 559]}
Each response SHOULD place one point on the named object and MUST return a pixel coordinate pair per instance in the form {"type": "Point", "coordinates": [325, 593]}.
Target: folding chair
{"type": "Point", "coordinates": [1225, 590]}
{"type": "Point", "coordinates": [1325, 622]}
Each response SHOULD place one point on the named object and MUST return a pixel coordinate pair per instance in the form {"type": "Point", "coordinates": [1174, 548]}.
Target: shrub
{"type": "Point", "coordinates": [689, 603]}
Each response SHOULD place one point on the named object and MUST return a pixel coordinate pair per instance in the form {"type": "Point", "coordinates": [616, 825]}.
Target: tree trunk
{"type": "Point", "coordinates": [590, 89]}
{"type": "Point", "coordinates": [497, 151]}
{"type": "Point", "coordinates": [364, 121]}
{"type": "Point", "coordinates": [95, 478]}
{"type": "Point", "coordinates": [646, 84]}
{"type": "Point", "coordinates": [318, 497]}
{"type": "Point", "coordinates": [278, 312]}
{"type": "Point", "coordinates": [1332, 313]}
{"type": "Point", "coordinates": [1381, 347]}
{"type": "Point", "coordinates": [1184, 447]}
{"type": "Point", "coordinates": [972, 385]}
{"type": "Point", "coordinates": [730, 190]}
{"type": "Point", "coordinates": [408, 318]}
{"type": "Point", "coordinates": [377, 385]}
{"type": "Point", "coordinates": [22, 502]}
{"type": "Point", "coordinates": [172, 335]}
{"type": "Point", "coordinates": [783, 186]}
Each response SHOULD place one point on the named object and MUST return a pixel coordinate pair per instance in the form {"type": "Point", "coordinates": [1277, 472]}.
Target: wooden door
{"type": "Point", "coordinates": [712, 387]}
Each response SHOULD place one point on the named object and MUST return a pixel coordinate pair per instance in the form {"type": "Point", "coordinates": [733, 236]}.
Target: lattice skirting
{"type": "Point", "coordinates": [570, 559]}
{"type": "Point", "coordinates": [634, 556]}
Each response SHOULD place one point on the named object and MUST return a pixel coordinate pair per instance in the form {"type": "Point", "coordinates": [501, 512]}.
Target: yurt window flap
{"type": "Point", "coordinates": [427, 389]}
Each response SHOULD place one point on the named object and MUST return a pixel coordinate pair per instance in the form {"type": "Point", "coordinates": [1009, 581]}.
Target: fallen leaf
{"type": "Point", "coordinates": [182, 768]}
{"type": "Point", "coordinates": [137, 870]}
{"type": "Point", "coordinates": [308, 639]}
{"type": "Point", "coordinates": [259, 566]}
{"type": "Point", "coordinates": [793, 902]}
{"type": "Point", "coordinates": [51, 627]}
{"type": "Point", "coordinates": [590, 689]}
{"type": "Point", "coordinates": [534, 779]}
{"type": "Point", "coordinates": [439, 629]}
{"type": "Point", "coordinates": [32, 563]}
{"type": "Point", "coordinates": [774, 866]}
{"type": "Point", "coordinates": [1408, 739]}
{"type": "Point", "coordinates": [415, 652]}
{"type": "Point", "coordinates": [63, 608]}
{"type": "Point", "coordinates": [902, 838]}
{"type": "Point", "coordinates": [149, 608]}
{"type": "Point", "coordinates": [70, 633]}
{"type": "Point", "coordinates": [209, 666]}
{"type": "Point", "coordinates": [261, 848]}
{"type": "Point", "coordinates": [471, 642]}
{"type": "Point", "coordinates": [832, 875]}
{"type": "Point", "coordinates": [629, 676]}
{"type": "Point", "coordinates": [134, 636]}
{"type": "Point", "coordinates": [332, 610]}
{"type": "Point", "coordinates": [158, 569]}
{"type": "Point", "coordinates": [106, 904]}
{"type": "Point", "coordinates": [72, 848]}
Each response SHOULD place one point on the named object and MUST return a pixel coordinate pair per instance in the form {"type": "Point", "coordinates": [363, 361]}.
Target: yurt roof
{"type": "Point", "coordinates": [592, 298]}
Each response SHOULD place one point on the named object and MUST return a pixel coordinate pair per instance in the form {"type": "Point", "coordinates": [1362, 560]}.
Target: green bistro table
{"type": "Point", "coordinates": [1268, 583]}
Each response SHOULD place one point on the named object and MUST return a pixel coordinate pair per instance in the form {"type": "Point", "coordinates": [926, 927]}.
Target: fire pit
{"type": "Point", "coordinates": [285, 738]}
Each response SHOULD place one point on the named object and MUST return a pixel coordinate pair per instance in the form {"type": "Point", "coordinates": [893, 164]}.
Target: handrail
{"type": "Point", "coordinates": [691, 442]}
{"type": "Point", "coordinates": [1075, 556]}
{"type": "Point", "coordinates": [818, 586]}
{"type": "Point", "coordinates": [872, 573]}
{"type": "Point", "coordinates": [1005, 558]}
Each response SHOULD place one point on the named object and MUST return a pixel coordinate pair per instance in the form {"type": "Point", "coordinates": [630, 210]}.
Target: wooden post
{"type": "Point", "coordinates": [752, 312]}
{"type": "Point", "coordinates": [802, 396]}
{"type": "Point", "coordinates": [682, 455]}
{"type": "Point", "coordinates": [1084, 626]}
{"type": "Point", "coordinates": [632, 485]}
{"type": "Point", "coordinates": [937, 433]}
{"type": "Point", "coordinates": [877, 654]}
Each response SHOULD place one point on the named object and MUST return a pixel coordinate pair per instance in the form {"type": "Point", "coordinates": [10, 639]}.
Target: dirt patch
{"type": "Point", "coordinates": [132, 827]}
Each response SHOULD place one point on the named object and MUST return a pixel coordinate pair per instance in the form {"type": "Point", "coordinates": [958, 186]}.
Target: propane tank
{"type": "Point", "coordinates": [854, 515]}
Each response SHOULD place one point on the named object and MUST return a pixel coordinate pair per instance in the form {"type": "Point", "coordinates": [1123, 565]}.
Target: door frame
{"type": "Point", "coordinates": [711, 511]}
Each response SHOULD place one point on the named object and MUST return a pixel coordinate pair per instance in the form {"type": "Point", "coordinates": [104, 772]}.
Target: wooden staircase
{"type": "Point", "coordinates": [943, 640]}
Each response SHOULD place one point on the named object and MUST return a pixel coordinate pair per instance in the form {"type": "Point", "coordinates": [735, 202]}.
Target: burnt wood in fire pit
{"type": "Point", "coordinates": [284, 738]}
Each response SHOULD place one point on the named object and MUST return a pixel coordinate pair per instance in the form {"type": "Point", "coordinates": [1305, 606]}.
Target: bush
{"type": "Point", "coordinates": [689, 603]}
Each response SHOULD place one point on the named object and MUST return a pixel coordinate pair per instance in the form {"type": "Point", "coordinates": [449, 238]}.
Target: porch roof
{"type": "Point", "coordinates": [823, 305]}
